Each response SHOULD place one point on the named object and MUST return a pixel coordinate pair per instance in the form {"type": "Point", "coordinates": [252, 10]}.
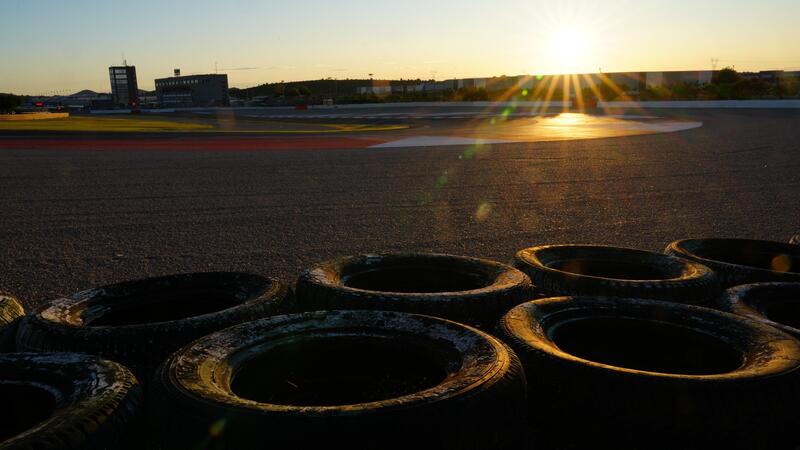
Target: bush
{"type": "Point", "coordinates": [601, 91]}
{"type": "Point", "coordinates": [787, 87]}
{"type": "Point", "coordinates": [9, 102]}
{"type": "Point", "coordinates": [656, 93]}
{"type": "Point", "coordinates": [726, 76]}
{"type": "Point", "coordinates": [473, 94]}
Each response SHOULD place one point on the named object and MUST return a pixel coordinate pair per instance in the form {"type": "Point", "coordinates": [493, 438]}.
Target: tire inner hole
{"type": "Point", "coordinates": [645, 345]}
{"type": "Point", "coordinates": [783, 311]}
{"type": "Point", "coordinates": [408, 279]}
{"type": "Point", "coordinates": [613, 269]}
{"type": "Point", "coordinates": [753, 257]}
{"type": "Point", "coordinates": [330, 371]}
{"type": "Point", "coordinates": [24, 407]}
{"type": "Point", "coordinates": [163, 304]}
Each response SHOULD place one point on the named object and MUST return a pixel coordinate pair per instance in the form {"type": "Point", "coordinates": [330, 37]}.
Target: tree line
{"type": "Point", "coordinates": [9, 103]}
{"type": "Point", "coordinates": [726, 84]}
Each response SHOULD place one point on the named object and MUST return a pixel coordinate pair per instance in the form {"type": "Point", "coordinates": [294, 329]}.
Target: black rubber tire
{"type": "Point", "coordinates": [741, 261]}
{"type": "Point", "coordinates": [68, 401]}
{"type": "Point", "coordinates": [468, 290]}
{"type": "Point", "coordinates": [764, 302]}
{"type": "Point", "coordinates": [66, 324]}
{"type": "Point", "coordinates": [11, 312]}
{"type": "Point", "coordinates": [795, 239]}
{"type": "Point", "coordinates": [622, 272]}
{"type": "Point", "coordinates": [479, 405]}
{"type": "Point", "coordinates": [583, 403]}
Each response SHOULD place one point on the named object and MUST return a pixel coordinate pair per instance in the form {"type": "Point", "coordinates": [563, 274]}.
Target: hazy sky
{"type": "Point", "coordinates": [67, 45]}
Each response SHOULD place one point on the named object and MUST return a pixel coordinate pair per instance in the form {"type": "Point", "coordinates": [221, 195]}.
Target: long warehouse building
{"type": "Point", "coordinates": [193, 90]}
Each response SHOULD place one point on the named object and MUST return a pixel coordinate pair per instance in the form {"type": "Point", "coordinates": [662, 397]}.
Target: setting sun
{"type": "Point", "coordinates": [568, 48]}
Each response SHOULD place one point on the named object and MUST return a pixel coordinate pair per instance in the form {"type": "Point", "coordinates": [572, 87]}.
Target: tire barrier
{"type": "Point", "coordinates": [359, 379]}
{"type": "Point", "coordinates": [54, 401]}
{"type": "Point", "coordinates": [615, 271]}
{"type": "Point", "coordinates": [469, 290]}
{"type": "Point", "coordinates": [742, 261]}
{"type": "Point", "coordinates": [777, 304]}
{"type": "Point", "coordinates": [139, 323]}
{"type": "Point", "coordinates": [630, 373]}
{"type": "Point", "coordinates": [381, 361]}
{"type": "Point", "coordinates": [11, 312]}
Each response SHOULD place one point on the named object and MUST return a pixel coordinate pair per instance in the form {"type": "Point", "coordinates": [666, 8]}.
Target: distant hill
{"type": "Point", "coordinates": [84, 93]}
{"type": "Point", "coordinates": [91, 94]}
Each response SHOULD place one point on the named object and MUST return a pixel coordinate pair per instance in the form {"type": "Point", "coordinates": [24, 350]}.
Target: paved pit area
{"type": "Point", "coordinates": [85, 215]}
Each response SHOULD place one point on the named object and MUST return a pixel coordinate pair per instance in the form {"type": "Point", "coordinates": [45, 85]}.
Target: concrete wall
{"type": "Point", "coordinates": [143, 111]}
{"type": "Point", "coordinates": [552, 104]}
{"type": "Point", "coordinates": [763, 104]}
{"type": "Point", "coordinates": [443, 105]}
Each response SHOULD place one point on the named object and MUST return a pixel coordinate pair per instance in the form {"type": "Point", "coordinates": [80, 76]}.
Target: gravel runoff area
{"type": "Point", "coordinates": [74, 219]}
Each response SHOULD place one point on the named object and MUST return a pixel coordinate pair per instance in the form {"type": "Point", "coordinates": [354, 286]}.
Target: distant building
{"type": "Point", "coordinates": [124, 89]}
{"type": "Point", "coordinates": [103, 101]}
{"type": "Point", "coordinates": [148, 99]}
{"type": "Point", "coordinates": [378, 87]}
{"type": "Point", "coordinates": [770, 76]}
{"type": "Point", "coordinates": [672, 78]}
{"type": "Point", "coordinates": [501, 83]}
{"type": "Point", "coordinates": [193, 90]}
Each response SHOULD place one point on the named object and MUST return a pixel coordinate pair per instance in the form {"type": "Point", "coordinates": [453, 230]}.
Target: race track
{"type": "Point", "coordinates": [76, 215]}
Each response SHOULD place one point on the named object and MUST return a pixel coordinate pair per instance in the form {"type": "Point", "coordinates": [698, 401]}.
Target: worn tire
{"type": "Point", "coordinates": [742, 261]}
{"type": "Point", "coordinates": [468, 290]}
{"type": "Point", "coordinates": [139, 323]}
{"type": "Point", "coordinates": [11, 312]}
{"type": "Point", "coordinates": [633, 373]}
{"type": "Point", "coordinates": [777, 304]}
{"type": "Point", "coordinates": [476, 400]}
{"type": "Point", "coordinates": [67, 401]}
{"type": "Point", "coordinates": [616, 271]}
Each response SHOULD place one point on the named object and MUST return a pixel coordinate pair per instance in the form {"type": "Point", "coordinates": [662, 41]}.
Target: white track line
{"type": "Point", "coordinates": [435, 141]}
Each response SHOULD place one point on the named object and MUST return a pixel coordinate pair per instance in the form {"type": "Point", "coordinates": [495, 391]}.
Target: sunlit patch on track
{"type": "Point", "coordinates": [568, 126]}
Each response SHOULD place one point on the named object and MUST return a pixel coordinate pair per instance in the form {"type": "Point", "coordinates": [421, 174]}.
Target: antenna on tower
{"type": "Point", "coordinates": [714, 62]}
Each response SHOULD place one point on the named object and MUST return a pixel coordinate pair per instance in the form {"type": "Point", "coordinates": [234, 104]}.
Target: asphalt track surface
{"type": "Point", "coordinates": [73, 219]}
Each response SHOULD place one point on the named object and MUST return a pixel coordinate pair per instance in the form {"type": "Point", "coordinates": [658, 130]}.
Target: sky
{"type": "Point", "coordinates": [58, 46]}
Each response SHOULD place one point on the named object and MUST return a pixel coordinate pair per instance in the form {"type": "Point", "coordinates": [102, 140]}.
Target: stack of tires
{"type": "Point", "coordinates": [76, 372]}
{"type": "Point", "coordinates": [641, 350]}
{"type": "Point", "coordinates": [380, 358]}
{"type": "Point", "coordinates": [570, 346]}
{"type": "Point", "coordinates": [62, 400]}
